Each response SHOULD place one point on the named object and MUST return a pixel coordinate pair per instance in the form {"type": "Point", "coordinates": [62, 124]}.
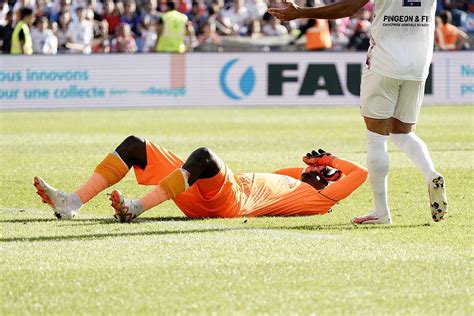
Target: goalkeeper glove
{"type": "Point", "coordinates": [325, 172]}
{"type": "Point", "coordinates": [319, 158]}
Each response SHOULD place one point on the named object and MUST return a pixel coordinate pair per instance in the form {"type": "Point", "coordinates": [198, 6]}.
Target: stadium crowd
{"type": "Point", "coordinates": [130, 26]}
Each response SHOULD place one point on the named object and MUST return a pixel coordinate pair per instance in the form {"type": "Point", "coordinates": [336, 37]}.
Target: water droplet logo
{"type": "Point", "coordinates": [246, 83]}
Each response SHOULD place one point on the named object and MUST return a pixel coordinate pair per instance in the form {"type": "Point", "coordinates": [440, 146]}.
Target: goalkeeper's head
{"type": "Point", "coordinates": [319, 177]}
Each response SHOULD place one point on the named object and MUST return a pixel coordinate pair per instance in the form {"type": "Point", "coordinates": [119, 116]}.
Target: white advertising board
{"type": "Point", "coordinates": [208, 79]}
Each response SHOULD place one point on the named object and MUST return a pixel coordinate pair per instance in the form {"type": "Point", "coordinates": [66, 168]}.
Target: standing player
{"type": "Point", "coordinates": [204, 186]}
{"type": "Point", "coordinates": [392, 89]}
{"type": "Point", "coordinates": [173, 26]}
{"type": "Point", "coordinates": [21, 42]}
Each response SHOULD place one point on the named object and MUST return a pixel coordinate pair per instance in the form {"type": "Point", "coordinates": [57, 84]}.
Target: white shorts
{"type": "Point", "coordinates": [383, 97]}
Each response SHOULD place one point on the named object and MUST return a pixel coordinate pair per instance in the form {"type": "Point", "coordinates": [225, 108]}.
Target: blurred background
{"type": "Point", "coordinates": [134, 26]}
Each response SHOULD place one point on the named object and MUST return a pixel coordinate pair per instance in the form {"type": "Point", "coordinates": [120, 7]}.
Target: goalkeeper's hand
{"type": "Point", "coordinates": [319, 158]}
{"type": "Point", "coordinates": [325, 172]}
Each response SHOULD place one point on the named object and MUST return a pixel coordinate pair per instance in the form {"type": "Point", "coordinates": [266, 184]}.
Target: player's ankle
{"type": "Point", "coordinates": [380, 213]}
{"type": "Point", "coordinates": [137, 207]}
{"type": "Point", "coordinates": [74, 203]}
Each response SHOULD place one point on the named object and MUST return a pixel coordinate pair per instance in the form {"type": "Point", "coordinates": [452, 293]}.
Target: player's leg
{"type": "Point", "coordinates": [378, 99]}
{"type": "Point", "coordinates": [378, 168]}
{"type": "Point", "coordinates": [402, 133]}
{"type": "Point", "coordinates": [201, 164]}
{"type": "Point", "coordinates": [131, 152]}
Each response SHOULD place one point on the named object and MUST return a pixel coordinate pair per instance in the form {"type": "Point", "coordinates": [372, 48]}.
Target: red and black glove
{"type": "Point", "coordinates": [318, 162]}
{"type": "Point", "coordinates": [325, 172]}
{"type": "Point", "coordinates": [319, 158]}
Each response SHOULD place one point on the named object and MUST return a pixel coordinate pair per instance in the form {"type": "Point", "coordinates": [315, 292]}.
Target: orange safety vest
{"type": "Point", "coordinates": [447, 36]}
{"type": "Point", "coordinates": [318, 36]}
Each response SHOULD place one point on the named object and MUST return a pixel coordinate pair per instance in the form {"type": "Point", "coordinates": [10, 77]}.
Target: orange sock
{"type": "Point", "coordinates": [153, 198]}
{"type": "Point", "coordinates": [175, 183]}
{"type": "Point", "coordinates": [108, 172]}
{"type": "Point", "coordinates": [93, 186]}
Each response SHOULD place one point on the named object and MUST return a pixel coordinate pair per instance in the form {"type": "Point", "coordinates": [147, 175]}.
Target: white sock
{"type": "Point", "coordinates": [417, 151]}
{"type": "Point", "coordinates": [137, 207]}
{"type": "Point", "coordinates": [74, 202]}
{"type": "Point", "coordinates": [378, 165]}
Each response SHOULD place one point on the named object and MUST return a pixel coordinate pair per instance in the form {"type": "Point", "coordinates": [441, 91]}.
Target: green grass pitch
{"type": "Point", "coordinates": [166, 264]}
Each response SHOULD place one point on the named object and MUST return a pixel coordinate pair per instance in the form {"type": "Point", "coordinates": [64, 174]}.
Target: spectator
{"type": "Point", "coordinates": [441, 5]}
{"type": "Point", "coordinates": [317, 35]}
{"type": "Point", "coordinates": [208, 34]}
{"type": "Point", "coordinates": [470, 6]}
{"type": "Point", "coordinates": [96, 8]}
{"type": "Point", "coordinates": [147, 42]}
{"type": "Point", "coordinates": [218, 17]}
{"type": "Point", "coordinates": [256, 8]}
{"type": "Point", "coordinates": [60, 6]}
{"type": "Point", "coordinates": [21, 42]}
{"type": "Point", "coordinates": [124, 42]}
{"type": "Point", "coordinates": [61, 30]}
{"type": "Point", "coordinates": [171, 29]}
{"type": "Point", "coordinates": [182, 6]}
{"type": "Point", "coordinates": [360, 40]}
{"type": "Point", "coordinates": [255, 29]}
{"type": "Point", "coordinates": [458, 12]}
{"type": "Point", "coordinates": [215, 16]}
{"type": "Point", "coordinates": [4, 9]}
{"type": "Point", "coordinates": [80, 34]}
{"type": "Point", "coordinates": [101, 43]}
{"type": "Point", "coordinates": [338, 38]}
{"type": "Point", "coordinates": [448, 36]}
{"type": "Point", "coordinates": [6, 32]}
{"type": "Point", "coordinates": [131, 17]}
{"type": "Point", "coordinates": [149, 10]}
{"type": "Point", "coordinates": [112, 14]}
{"type": "Point", "coordinates": [273, 27]}
{"type": "Point", "coordinates": [197, 16]}
{"type": "Point", "coordinates": [42, 9]}
{"type": "Point", "coordinates": [44, 40]}
{"type": "Point", "coordinates": [239, 17]}
{"type": "Point", "coordinates": [316, 31]}
{"type": "Point", "coordinates": [20, 4]}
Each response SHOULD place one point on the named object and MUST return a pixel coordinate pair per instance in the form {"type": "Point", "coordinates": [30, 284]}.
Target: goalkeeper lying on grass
{"type": "Point", "coordinates": [204, 186]}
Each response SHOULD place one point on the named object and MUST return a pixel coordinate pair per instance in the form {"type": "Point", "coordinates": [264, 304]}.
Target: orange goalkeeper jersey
{"type": "Point", "coordinates": [270, 194]}
{"type": "Point", "coordinates": [279, 195]}
{"type": "Point", "coordinates": [282, 194]}
{"type": "Point", "coordinates": [251, 194]}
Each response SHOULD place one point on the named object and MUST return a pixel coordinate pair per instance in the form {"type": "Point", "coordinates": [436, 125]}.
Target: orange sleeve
{"type": "Point", "coordinates": [354, 176]}
{"type": "Point", "coordinates": [291, 172]}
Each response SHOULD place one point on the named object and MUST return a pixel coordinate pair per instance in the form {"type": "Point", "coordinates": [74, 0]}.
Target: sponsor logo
{"type": "Point", "coordinates": [316, 78]}
{"type": "Point", "coordinates": [412, 3]}
{"type": "Point", "coordinates": [246, 81]}
{"type": "Point", "coordinates": [319, 78]}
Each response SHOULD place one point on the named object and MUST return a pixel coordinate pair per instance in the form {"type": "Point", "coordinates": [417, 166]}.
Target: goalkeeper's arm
{"type": "Point", "coordinates": [354, 177]}
{"type": "Point", "coordinates": [291, 172]}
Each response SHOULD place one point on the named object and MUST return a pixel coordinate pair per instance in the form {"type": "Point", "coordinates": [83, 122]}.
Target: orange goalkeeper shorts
{"type": "Point", "coordinates": [214, 197]}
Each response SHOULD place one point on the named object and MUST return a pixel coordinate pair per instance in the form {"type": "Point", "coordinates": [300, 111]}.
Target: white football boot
{"type": "Point", "coordinates": [438, 199]}
{"type": "Point", "coordinates": [372, 218]}
{"type": "Point", "coordinates": [58, 200]}
{"type": "Point", "coordinates": [126, 210]}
